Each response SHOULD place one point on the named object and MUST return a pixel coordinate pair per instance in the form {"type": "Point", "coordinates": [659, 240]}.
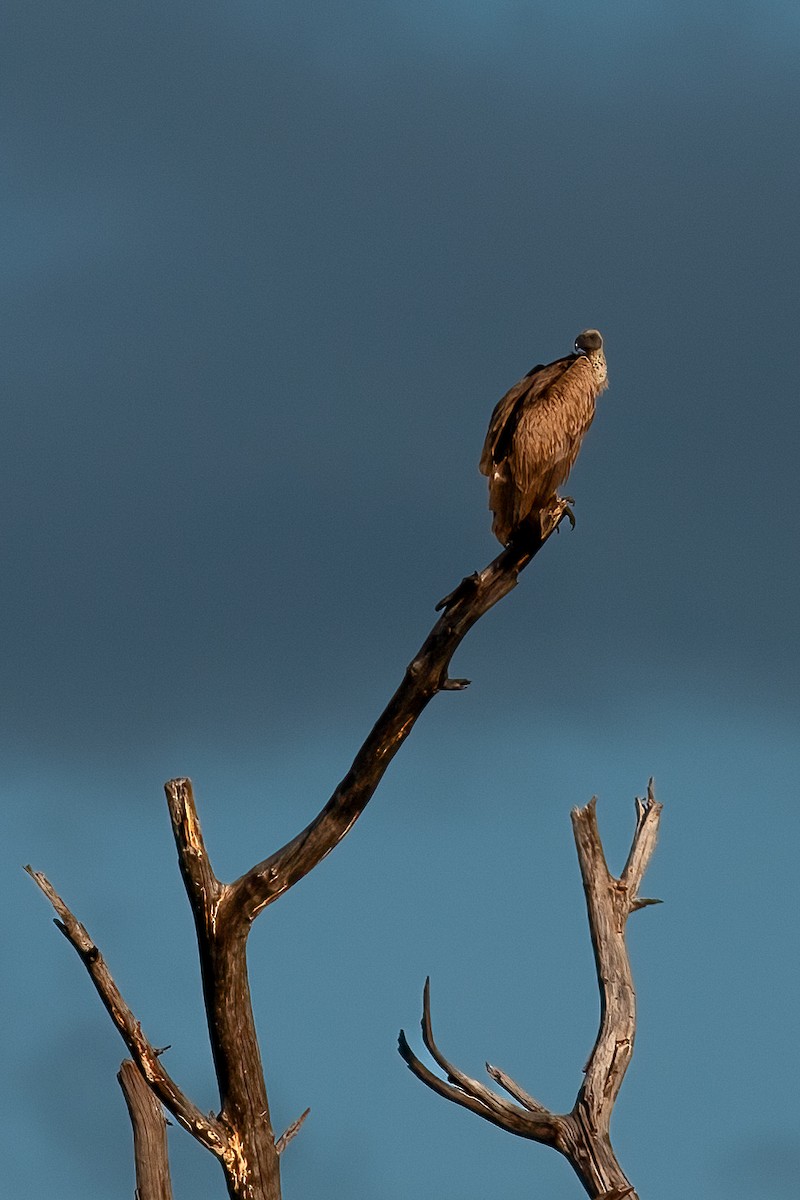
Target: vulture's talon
{"type": "Point", "coordinates": [552, 517]}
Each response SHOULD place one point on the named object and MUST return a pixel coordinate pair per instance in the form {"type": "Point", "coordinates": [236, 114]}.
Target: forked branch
{"type": "Point", "coordinates": [241, 1135]}
{"type": "Point", "coordinates": [581, 1135]}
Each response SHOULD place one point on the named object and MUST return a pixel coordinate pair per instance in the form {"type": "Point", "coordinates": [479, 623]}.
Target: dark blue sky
{"type": "Point", "coordinates": [268, 267]}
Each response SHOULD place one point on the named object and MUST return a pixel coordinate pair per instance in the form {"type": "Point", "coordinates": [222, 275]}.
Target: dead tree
{"type": "Point", "coordinates": [581, 1135]}
{"type": "Point", "coordinates": [240, 1135]}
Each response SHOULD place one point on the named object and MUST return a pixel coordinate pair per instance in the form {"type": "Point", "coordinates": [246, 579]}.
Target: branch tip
{"type": "Point", "coordinates": [291, 1131]}
{"type": "Point", "coordinates": [455, 685]}
{"type": "Point", "coordinates": [403, 1048]}
{"type": "Point", "coordinates": [587, 810]}
{"type": "Point", "coordinates": [426, 1023]}
{"type": "Point", "coordinates": [512, 1087]}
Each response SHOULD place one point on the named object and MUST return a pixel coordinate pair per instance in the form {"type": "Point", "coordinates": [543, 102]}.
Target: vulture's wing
{"type": "Point", "coordinates": [530, 390]}
{"type": "Point", "coordinates": [549, 430]}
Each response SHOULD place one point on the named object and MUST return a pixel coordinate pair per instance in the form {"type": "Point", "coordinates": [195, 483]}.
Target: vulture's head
{"type": "Point", "coordinates": [588, 341]}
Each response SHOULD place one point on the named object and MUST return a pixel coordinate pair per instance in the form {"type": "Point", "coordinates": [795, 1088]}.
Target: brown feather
{"type": "Point", "coordinates": [534, 436]}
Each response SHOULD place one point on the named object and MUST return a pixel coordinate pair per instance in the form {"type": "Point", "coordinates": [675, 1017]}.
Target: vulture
{"type": "Point", "coordinates": [534, 437]}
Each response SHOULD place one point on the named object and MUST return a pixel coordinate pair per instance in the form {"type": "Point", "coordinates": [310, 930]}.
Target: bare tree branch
{"type": "Point", "coordinates": [609, 903]}
{"type": "Point", "coordinates": [290, 1132]}
{"type": "Point", "coordinates": [513, 1122]}
{"type": "Point", "coordinates": [149, 1135]}
{"type": "Point", "coordinates": [494, 1103]}
{"type": "Point", "coordinates": [539, 1124]}
{"type": "Point", "coordinates": [222, 946]}
{"type": "Point", "coordinates": [202, 886]}
{"type": "Point", "coordinates": [206, 1129]}
{"type": "Point", "coordinates": [425, 676]}
{"type": "Point", "coordinates": [582, 1135]}
{"type": "Point", "coordinates": [512, 1087]}
{"type": "Point", "coordinates": [644, 843]}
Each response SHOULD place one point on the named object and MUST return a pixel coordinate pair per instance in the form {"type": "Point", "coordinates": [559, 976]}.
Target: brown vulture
{"type": "Point", "coordinates": [535, 434]}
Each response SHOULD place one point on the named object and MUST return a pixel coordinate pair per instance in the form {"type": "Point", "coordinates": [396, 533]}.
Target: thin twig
{"type": "Point", "coordinates": [513, 1088]}
{"type": "Point", "coordinates": [290, 1132]}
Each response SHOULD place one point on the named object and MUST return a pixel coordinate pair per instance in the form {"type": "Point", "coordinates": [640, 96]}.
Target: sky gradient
{"type": "Point", "coordinates": [268, 267]}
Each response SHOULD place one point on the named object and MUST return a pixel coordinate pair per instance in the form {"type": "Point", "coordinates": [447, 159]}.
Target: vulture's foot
{"type": "Point", "coordinates": [553, 516]}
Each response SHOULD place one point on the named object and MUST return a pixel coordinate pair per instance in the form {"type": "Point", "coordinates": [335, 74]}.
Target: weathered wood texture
{"type": "Point", "coordinates": [241, 1135]}
{"type": "Point", "coordinates": [581, 1135]}
{"type": "Point", "coordinates": [149, 1135]}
